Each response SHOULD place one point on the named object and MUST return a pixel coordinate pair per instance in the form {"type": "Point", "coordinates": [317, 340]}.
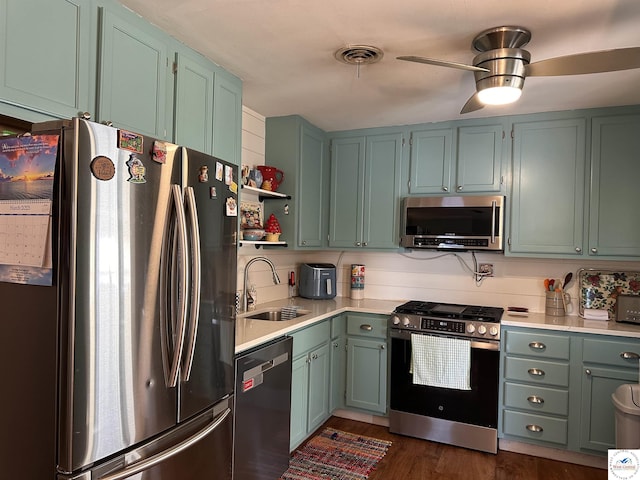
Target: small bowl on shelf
{"type": "Point", "coordinates": [252, 234]}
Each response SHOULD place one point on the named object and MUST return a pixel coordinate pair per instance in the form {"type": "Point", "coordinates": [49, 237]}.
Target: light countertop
{"type": "Point", "coordinates": [572, 323]}
{"type": "Point", "coordinates": [251, 333]}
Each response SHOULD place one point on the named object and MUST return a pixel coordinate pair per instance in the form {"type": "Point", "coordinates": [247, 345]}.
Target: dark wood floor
{"type": "Point", "coordinates": [414, 459]}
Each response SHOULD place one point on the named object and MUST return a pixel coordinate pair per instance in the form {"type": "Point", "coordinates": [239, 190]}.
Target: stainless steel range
{"type": "Point", "coordinates": [445, 373]}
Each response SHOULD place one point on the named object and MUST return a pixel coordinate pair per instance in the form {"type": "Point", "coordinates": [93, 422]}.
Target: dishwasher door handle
{"type": "Point", "coordinates": [264, 367]}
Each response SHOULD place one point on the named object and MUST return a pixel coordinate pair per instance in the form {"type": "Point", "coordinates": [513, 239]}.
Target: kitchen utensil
{"type": "Point", "coordinates": [272, 174]}
{"type": "Point", "coordinates": [546, 284]}
{"type": "Point", "coordinates": [567, 279]}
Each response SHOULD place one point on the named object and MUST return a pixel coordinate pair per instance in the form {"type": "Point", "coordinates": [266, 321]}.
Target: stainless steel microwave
{"type": "Point", "coordinates": [473, 222]}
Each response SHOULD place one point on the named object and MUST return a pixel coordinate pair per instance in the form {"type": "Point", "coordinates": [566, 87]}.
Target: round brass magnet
{"type": "Point", "coordinates": [103, 168]}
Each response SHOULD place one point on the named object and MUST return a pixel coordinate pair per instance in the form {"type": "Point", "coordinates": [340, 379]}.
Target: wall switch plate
{"type": "Point", "coordinates": [486, 269]}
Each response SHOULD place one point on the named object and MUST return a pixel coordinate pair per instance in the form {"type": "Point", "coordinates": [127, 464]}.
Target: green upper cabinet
{"type": "Point", "coordinates": [227, 117]}
{"type": "Point", "coordinates": [365, 191]}
{"type": "Point", "coordinates": [431, 158]}
{"type": "Point", "coordinates": [47, 59]}
{"type": "Point", "coordinates": [463, 158]}
{"type": "Point", "coordinates": [299, 149]}
{"type": "Point", "coordinates": [193, 119]}
{"type": "Point", "coordinates": [479, 158]}
{"type": "Point", "coordinates": [547, 201]}
{"type": "Point", "coordinates": [614, 229]}
{"type": "Point", "coordinates": [133, 74]}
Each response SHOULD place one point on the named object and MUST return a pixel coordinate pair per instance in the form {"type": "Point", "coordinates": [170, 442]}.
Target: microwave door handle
{"type": "Point", "coordinates": [493, 221]}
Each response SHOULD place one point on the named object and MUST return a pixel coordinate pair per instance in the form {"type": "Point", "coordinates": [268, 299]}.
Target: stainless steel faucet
{"type": "Point", "coordinates": [276, 278]}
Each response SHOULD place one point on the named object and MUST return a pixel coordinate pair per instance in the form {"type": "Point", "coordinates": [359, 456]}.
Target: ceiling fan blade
{"type": "Point", "coordinates": [590, 62]}
{"type": "Point", "coordinates": [442, 63]}
{"type": "Point", "coordinates": [472, 104]}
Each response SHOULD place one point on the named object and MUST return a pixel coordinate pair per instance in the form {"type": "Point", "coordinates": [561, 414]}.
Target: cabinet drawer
{"type": "Point", "coordinates": [367, 325]}
{"type": "Point", "coordinates": [537, 371]}
{"type": "Point", "coordinates": [536, 398]}
{"type": "Point", "coordinates": [535, 344]}
{"type": "Point", "coordinates": [535, 427]}
{"type": "Point", "coordinates": [311, 337]}
{"type": "Point", "coordinates": [611, 352]}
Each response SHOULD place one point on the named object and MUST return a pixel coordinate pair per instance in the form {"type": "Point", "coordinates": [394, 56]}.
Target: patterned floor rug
{"type": "Point", "coordinates": [336, 455]}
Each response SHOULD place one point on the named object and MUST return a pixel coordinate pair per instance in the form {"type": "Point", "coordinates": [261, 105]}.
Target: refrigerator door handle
{"type": "Point", "coordinates": [181, 226]}
{"type": "Point", "coordinates": [163, 456]}
{"type": "Point", "coordinates": [195, 282]}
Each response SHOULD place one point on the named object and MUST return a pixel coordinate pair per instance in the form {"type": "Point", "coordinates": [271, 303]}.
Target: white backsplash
{"type": "Point", "coordinates": [429, 276]}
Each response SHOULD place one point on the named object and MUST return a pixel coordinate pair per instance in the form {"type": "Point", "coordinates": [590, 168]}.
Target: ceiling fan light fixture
{"type": "Point", "coordinates": [499, 95]}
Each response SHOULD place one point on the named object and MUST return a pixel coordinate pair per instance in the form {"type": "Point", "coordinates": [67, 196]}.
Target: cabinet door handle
{"type": "Point", "coordinates": [534, 428]}
{"type": "Point", "coordinates": [538, 345]}
{"type": "Point", "coordinates": [587, 372]}
{"type": "Point", "coordinates": [335, 345]}
{"type": "Point", "coordinates": [365, 244]}
{"type": "Point", "coordinates": [357, 244]}
{"type": "Point", "coordinates": [366, 327]}
{"type": "Point", "coordinates": [535, 399]}
{"type": "Point", "coordinates": [314, 356]}
{"type": "Point", "coordinates": [629, 356]}
{"type": "Point", "coordinates": [445, 189]}
{"type": "Point", "coordinates": [536, 371]}
{"type": "Point", "coordinates": [578, 250]}
{"type": "Point", "coordinates": [594, 250]}
{"type": "Point", "coordinates": [459, 188]}
{"type": "Point", "coordinates": [382, 347]}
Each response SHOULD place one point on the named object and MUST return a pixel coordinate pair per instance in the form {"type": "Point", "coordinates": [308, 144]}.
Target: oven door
{"type": "Point", "coordinates": [478, 406]}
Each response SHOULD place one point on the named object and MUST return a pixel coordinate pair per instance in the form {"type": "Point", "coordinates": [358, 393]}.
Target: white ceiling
{"type": "Point", "coordinates": [283, 50]}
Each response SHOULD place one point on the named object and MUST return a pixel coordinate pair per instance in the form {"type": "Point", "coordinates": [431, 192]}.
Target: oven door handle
{"type": "Point", "coordinates": [485, 345]}
{"type": "Point", "coordinates": [402, 334]}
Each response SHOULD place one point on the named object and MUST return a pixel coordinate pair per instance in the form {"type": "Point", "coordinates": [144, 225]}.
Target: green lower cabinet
{"type": "Point", "coordinates": [299, 400]}
{"type": "Point", "coordinates": [607, 363]}
{"type": "Point", "coordinates": [597, 426]}
{"type": "Point", "coordinates": [557, 387]}
{"type": "Point", "coordinates": [540, 428]}
{"type": "Point", "coordinates": [535, 392]}
{"type": "Point", "coordinates": [367, 374]}
{"type": "Point", "coordinates": [310, 381]}
{"type": "Point", "coordinates": [367, 359]}
{"type": "Point", "coordinates": [338, 363]}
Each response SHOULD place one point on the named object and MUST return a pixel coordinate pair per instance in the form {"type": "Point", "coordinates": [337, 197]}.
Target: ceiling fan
{"type": "Point", "coordinates": [502, 65]}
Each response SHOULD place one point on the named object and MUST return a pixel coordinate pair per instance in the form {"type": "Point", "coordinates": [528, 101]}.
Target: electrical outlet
{"type": "Point", "coordinates": [486, 269]}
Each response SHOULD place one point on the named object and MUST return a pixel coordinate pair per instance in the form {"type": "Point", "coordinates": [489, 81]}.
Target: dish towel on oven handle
{"type": "Point", "coordinates": [441, 361]}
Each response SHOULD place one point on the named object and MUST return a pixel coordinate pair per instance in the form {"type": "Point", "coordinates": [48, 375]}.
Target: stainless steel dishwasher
{"type": "Point", "coordinates": [262, 411]}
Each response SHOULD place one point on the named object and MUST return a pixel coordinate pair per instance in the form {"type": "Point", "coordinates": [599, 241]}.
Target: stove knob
{"type": "Point", "coordinates": [482, 329]}
{"type": "Point", "coordinates": [493, 331]}
{"type": "Point", "coordinates": [396, 320]}
{"type": "Point", "coordinates": [405, 321]}
{"type": "Point", "coordinates": [471, 328]}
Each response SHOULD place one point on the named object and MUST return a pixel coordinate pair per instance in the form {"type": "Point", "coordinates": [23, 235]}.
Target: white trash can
{"type": "Point", "coordinates": [626, 399]}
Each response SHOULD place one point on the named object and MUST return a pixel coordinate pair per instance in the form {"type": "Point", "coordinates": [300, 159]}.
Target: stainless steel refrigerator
{"type": "Point", "coordinates": [123, 369]}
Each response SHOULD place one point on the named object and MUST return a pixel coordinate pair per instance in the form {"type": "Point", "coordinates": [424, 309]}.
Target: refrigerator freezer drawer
{"type": "Point", "coordinates": [200, 448]}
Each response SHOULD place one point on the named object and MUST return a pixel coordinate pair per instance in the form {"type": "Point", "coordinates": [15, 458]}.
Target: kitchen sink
{"type": "Point", "coordinates": [278, 314]}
